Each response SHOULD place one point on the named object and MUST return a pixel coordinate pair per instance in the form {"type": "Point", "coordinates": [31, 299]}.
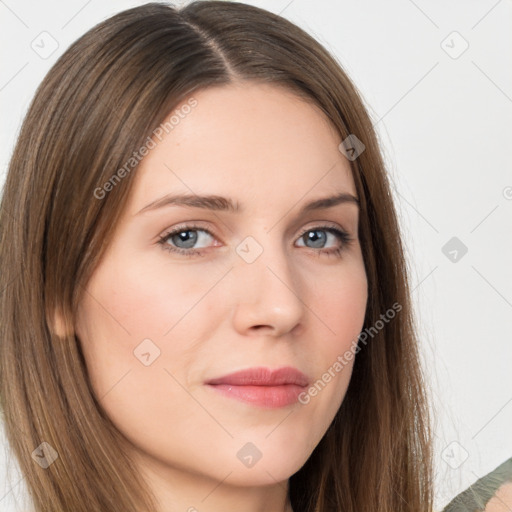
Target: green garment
{"type": "Point", "coordinates": [476, 496]}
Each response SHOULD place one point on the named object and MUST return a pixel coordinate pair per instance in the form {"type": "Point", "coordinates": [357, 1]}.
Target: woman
{"type": "Point", "coordinates": [206, 303]}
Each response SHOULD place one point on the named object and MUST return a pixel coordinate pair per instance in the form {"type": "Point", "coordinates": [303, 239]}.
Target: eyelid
{"type": "Point", "coordinates": [324, 224]}
{"type": "Point", "coordinates": [184, 226]}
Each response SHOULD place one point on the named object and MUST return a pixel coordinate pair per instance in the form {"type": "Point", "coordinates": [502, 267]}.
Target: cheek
{"type": "Point", "coordinates": [123, 317]}
{"type": "Point", "coordinates": [144, 302]}
{"type": "Point", "coordinates": [341, 302]}
{"type": "Point", "coordinates": [341, 306]}
{"type": "Point", "coordinates": [131, 309]}
{"type": "Point", "coordinates": [337, 299]}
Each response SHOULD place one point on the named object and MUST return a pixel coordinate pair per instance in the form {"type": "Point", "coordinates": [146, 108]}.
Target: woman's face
{"type": "Point", "coordinates": [259, 287]}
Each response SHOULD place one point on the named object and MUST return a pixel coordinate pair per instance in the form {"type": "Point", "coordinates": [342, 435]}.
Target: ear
{"type": "Point", "coordinates": [58, 325]}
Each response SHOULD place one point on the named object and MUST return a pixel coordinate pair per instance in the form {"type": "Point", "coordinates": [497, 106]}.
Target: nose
{"type": "Point", "coordinates": [267, 293]}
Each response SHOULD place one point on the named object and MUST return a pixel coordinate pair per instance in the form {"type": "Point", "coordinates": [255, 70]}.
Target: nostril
{"type": "Point", "coordinates": [261, 327]}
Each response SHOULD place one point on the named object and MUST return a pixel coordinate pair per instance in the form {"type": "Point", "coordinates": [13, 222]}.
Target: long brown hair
{"type": "Point", "coordinates": [97, 105]}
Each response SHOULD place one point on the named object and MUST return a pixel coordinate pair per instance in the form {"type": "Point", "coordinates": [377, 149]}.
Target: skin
{"type": "Point", "coordinates": [215, 313]}
{"type": "Point", "coordinates": [502, 500]}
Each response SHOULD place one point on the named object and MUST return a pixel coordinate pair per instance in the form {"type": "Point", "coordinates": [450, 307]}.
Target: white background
{"type": "Point", "coordinates": [445, 122]}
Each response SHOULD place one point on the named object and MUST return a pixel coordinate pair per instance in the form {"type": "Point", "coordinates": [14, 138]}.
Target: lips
{"type": "Point", "coordinates": [262, 376]}
{"type": "Point", "coordinates": [261, 386]}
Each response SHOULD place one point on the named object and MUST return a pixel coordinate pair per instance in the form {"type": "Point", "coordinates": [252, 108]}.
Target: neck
{"type": "Point", "coordinates": [177, 490]}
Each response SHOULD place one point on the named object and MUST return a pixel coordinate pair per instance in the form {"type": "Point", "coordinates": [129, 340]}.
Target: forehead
{"type": "Point", "coordinates": [249, 141]}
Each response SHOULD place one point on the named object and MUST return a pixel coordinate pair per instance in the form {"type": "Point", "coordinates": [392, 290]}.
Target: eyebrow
{"type": "Point", "coordinates": [220, 203]}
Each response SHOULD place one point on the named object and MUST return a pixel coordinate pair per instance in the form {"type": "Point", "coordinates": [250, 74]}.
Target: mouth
{"type": "Point", "coordinates": [262, 387]}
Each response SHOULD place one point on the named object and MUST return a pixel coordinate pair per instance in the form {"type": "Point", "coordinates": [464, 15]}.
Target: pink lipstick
{"type": "Point", "coordinates": [262, 387]}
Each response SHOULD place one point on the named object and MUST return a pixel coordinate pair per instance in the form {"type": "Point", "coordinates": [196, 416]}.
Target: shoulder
{"type": "Point", "coordinates": [491, 493]}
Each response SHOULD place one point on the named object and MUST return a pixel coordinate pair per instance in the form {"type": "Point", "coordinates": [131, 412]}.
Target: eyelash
{"type": "Point", "coordinates": [342, 235]}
